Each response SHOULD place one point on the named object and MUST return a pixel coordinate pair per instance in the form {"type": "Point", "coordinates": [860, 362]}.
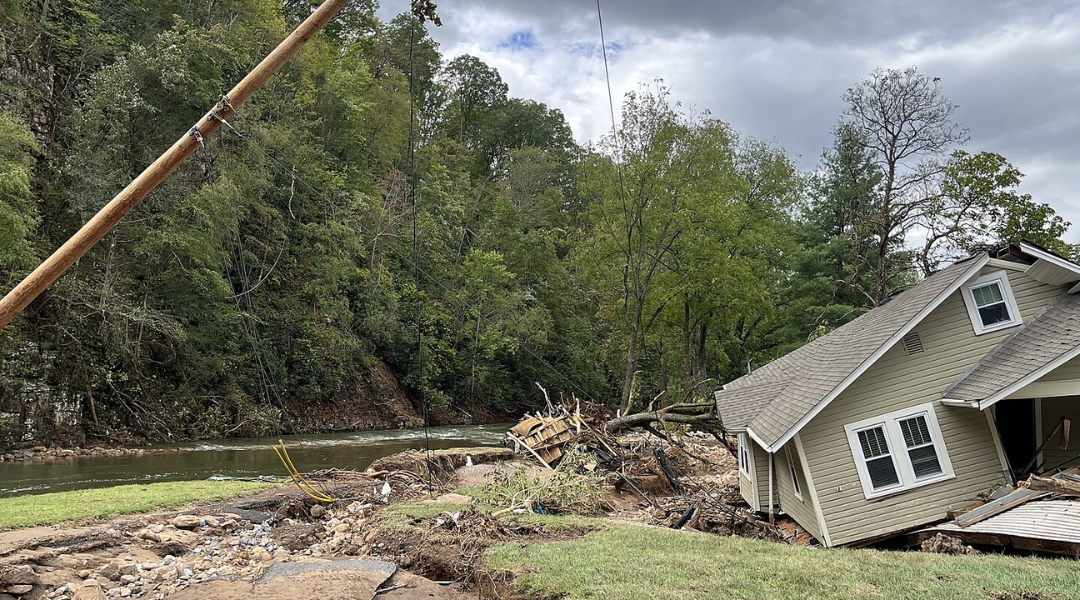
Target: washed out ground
{"type": "Point", "coordinates": [622, 549]}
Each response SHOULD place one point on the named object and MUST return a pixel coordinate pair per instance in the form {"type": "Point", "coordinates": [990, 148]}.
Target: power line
{"type": "Point", "coordinates": [607, 74]}
{"type": "Point", "coordinates": [413, 184]}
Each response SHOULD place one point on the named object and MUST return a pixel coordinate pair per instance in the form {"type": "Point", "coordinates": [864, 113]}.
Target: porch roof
{"type": "Point", "coordinates": [1038, 347]}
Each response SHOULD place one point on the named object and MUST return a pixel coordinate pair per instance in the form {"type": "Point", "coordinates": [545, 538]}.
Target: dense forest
{"type": "Point", "coordinates": [382, 224]}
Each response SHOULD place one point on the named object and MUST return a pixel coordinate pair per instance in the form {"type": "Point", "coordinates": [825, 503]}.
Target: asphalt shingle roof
{"type": "Point", "coordinates": [1050, 335]}
{"type": "Point", "coordinates": [802, 379]}
{"type": "Point", "coordinates": [739, 407]}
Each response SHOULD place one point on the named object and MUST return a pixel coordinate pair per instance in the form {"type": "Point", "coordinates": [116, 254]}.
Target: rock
{"type": "Point", "coordinates": [109, 571]}
{"type": "Point", "coordinates": [262, 555]}
{"type": "Point", "coordinates": [148, 535]}
{"type": "Point", "coordinates": [20, 575]}
{"type": "Point", "coordinates": [453, 499]}
{"type": "Point", "coordinates": [165, 574]}
{"type": "Point", "coordinates": [19, 590]}
{"type": "Point", "coordinates": [317, 511]}
{"type": "Point", "coordinates": [125, 592]}
{"type": "Point", "coordinates": [186, 522]}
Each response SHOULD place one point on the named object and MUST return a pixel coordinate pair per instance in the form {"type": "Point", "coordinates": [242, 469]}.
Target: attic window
{"type": "Point", "coordinates": [912, 343]}
{"type": "Point", "coordinates": [991, 304]}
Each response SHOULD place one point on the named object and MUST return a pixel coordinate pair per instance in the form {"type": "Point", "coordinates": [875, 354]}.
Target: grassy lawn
{"type": "Point", "coordinates": [626, 561]}
{"type": "Point", "coordinates": [47, 509]}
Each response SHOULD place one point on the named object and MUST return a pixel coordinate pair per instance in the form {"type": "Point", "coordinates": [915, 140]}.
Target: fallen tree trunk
{"type": "Point", "coordinates": [701, 416]}
{"type": "Point", "coordinates": [1055, 485]}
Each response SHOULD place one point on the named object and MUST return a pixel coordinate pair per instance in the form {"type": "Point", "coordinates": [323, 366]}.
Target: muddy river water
{"type": "Point", "coordinates": [233, 457]}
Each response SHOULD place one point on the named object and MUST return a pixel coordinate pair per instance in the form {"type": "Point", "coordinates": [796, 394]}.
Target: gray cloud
{"type": "Point", "coordinates": [775, 69]}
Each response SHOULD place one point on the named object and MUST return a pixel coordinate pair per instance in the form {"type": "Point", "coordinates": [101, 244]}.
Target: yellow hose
{"type": "Point", "coordinates": [314, 494]}
{"type": "Point", "coordinates": [297, 471]}
{"type": "Point", "coordinates": [295, 480]}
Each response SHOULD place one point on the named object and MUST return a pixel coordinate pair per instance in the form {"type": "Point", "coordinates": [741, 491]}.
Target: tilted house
{"type": "Point", "coordinates": [919, 406]}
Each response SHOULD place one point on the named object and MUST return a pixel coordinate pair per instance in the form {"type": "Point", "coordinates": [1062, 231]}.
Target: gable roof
{"type": "Point", "coordinates": [743, 404]}
{"type": "Point", "coordinates": [808, 378]}
{"type": "Point", "coordinates": [1041, 345]}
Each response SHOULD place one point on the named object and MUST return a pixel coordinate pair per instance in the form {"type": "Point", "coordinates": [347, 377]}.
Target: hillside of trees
{"type": "Point", "coordinates": [274, 277]}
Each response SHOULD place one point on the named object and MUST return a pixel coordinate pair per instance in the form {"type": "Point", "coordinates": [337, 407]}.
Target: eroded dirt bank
{"type": "Point", "coordinates": [431, 534]}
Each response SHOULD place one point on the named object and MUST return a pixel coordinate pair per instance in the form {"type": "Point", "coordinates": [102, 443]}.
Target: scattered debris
{"type": "Point", "coordinates": [944, 544]}
{"type": "Point", "coordinates": [572, 487]}
{"type": "Point", "coordinates": [443, 462]}
{"type": "Point", "coordinates": [1041, 515]}
{"type": "Point", "coordinates": [675, 486]}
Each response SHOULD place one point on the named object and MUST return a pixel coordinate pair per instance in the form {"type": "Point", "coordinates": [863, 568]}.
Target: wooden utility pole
{"type": "Point", "coordinates": [108, 217]}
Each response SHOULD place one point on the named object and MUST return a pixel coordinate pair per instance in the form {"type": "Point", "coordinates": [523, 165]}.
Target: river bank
{"type": "Point", "coordinates": [43, 453]}
{"type": "Point", "coordinates": [419, 536]}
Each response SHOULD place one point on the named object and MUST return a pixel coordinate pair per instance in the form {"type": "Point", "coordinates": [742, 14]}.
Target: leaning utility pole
{"type": "Point", "coordinates": [108, 217]}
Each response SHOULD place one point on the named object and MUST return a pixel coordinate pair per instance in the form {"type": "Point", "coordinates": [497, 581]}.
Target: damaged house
{"type": "Point", "coordinates": [921, 407]}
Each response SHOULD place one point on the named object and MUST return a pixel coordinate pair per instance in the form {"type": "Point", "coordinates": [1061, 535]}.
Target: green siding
{"type": "Point", "coordinates": [761, 466]}
{"type": "Point", "coordinates": [899, 381]}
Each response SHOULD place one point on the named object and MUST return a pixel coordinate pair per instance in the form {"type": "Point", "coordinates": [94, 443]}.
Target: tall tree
{"type": "Point", "coordinates": [473, 88]}
{"type": "Point", "coordinates": [685, 225]}
{"type": "Point", "coordinates": [904, 118]}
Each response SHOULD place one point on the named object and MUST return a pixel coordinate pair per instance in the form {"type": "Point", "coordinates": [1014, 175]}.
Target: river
{"type": "Point", "coordinates": [236, 457]}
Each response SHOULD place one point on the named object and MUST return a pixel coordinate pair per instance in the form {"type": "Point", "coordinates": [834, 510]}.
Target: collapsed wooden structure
{"type": "Point", "coordinates": [1041, 515]}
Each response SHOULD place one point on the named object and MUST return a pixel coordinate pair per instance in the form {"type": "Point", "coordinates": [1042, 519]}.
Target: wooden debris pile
{"type": "Point", "coordinates": [547, 435]}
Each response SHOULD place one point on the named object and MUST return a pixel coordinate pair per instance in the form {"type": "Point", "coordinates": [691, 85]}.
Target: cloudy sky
{"type": "Point", "coordinates": [775, 69]}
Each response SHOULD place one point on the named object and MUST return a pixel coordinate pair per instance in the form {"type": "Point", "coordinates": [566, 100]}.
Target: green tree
{"type": "Point", "coordinates": [978, 203]}
{"type": "Point", "coordinates": [473, 89]}
{"type": "Point", "coordinates": [18, 212]}
{"type": "Point", "coordinates": [685, 226]}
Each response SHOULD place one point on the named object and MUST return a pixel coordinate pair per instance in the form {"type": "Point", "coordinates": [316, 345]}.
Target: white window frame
{"type": "Point", "coordinates": [1002, 279]}
{"type": "Point", "coordinates": [898, 450]}
{"type": "Point", "coordinates": [796, 486]}
{"type": "Point", "coordinates": [744, 447]}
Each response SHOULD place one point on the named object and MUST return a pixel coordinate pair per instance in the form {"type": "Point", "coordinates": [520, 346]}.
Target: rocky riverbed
{"type": "Point", "coordinates": [161, 556]}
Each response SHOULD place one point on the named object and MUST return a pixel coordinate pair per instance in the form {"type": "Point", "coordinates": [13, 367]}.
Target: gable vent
{"type": "Point", "coordinates": [912, 343]}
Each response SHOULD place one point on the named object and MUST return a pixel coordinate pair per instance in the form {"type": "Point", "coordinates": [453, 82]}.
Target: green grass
{"type": "Point", "coordinates": [400, 514]}
{"type": "Point", "coordinates": [60, 507]}
{"type": "Point", "coordinates": [626, 561]}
